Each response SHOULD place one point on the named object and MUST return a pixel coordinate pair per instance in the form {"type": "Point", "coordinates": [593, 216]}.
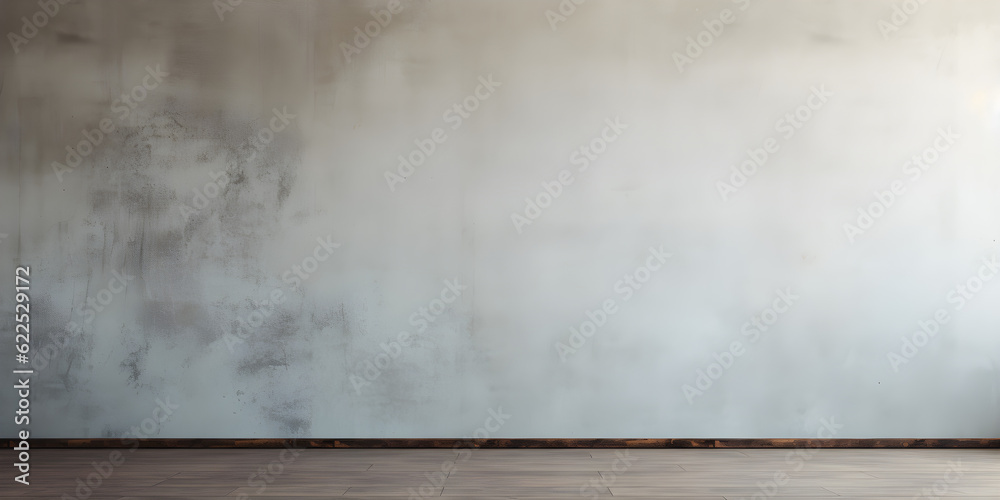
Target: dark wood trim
{"type": "Point", "coordinates": [512, 443]}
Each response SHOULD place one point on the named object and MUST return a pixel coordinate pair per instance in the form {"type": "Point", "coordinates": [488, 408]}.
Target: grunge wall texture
{"type": "Point", "coordinates": [173, 244]}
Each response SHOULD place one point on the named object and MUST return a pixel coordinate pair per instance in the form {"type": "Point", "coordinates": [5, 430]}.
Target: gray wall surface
{"type": "Point", "coordinates": [649, 218]}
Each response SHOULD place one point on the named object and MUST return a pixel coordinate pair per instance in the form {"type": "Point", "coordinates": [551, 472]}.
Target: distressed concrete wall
{"type": "Point", "coordinates": [723, 304]}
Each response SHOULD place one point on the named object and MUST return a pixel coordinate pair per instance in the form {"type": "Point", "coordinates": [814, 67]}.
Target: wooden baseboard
{"type": "Point", "coordinates": [511, 443]}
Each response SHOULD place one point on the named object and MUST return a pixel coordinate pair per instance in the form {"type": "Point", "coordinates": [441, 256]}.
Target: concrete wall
{"type": "Point", "coordinates": [236, 245]}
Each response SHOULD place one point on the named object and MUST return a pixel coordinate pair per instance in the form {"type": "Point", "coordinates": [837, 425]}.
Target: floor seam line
{"type": "Point", "coordinates": [171, 476]}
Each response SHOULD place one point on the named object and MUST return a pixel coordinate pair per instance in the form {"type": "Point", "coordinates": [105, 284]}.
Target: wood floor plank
{"type": "Point", "coordinates": [518, 491]}
{"type": "Point", "coordinates": [295, 490]}
{"type": "Point", "coordinates": [395, 490]}
{"type": "Point", "coordinates": [725, 491]}
{"type": "Point", "coordinates": [535, 474]}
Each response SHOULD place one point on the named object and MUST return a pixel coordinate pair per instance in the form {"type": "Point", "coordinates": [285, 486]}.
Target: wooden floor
{"type": "Point", "coordinates": [503, 473]}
